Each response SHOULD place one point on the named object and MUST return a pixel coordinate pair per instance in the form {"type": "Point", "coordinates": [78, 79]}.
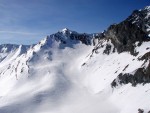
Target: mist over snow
{"type": "Point", "coordinates": [71, 72]}
{"type": "Point", "coordinates": [54, 86]}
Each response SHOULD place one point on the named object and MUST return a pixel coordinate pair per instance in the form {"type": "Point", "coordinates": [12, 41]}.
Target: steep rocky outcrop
{"type": "Point", "coordinates": [124, 35]}
{"type": "Point", "coordinates": [140, 110]}
{"type": "Point", "coordinates": [141, 75]}
{"type": "Point", "coordinates": [66, 35]}
{"type": "Point", "coordinates": [141, 18]}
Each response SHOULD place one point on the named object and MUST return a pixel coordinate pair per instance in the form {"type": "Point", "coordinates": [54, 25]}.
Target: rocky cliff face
{"type": "Point", "coordinates": [66, 36]}
{"type": "Point", "coordinates": [134, 29]}
{"type": "Point", "coordinates": [141, 18]}
{"type": "Point", "coordinates": [126, 37]}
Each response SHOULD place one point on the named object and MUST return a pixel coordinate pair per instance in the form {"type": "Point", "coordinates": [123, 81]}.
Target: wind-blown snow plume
{"type": "Point", "coordinates": [79, 72]}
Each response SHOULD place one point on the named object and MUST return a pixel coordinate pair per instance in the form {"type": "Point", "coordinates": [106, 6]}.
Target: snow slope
{"type": "Point", "coordinates": [102, 69]}
{"type": "Point", "coordinates": [51, 86]}
{"type": "Point", "coordinates": [70, 72]}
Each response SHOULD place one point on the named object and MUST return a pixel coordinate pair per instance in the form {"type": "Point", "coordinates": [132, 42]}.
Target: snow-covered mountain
{"type": "Point", "coordinates": [80, 73]}
{"type": "Point", "coordinates": [7, 49]}
{"type": "Point", "coordinates": [141, 18]}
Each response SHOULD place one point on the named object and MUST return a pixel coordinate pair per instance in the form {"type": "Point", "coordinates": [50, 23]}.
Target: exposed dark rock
{"type": "Point", "coordinates": [84, 38]}
{"type": "Point", "coordinates": [126, 67]}
{"type": "Point", "coordinates": [83, 64]}
{"type": "Point", "coordinates": [141, 75]}
{"type": "Point", "coordinates": [146, 56]}
{"type": "Point", "coordinates": [141, 19]}
{"type": "Point", "coordinates": [107, 49]}
{"type": "Point", "coordinates": [114, 83]}
{"type": "Point", "coordinates": [124, 35]}
{"type": "Point", "coordinates": [140, 110]}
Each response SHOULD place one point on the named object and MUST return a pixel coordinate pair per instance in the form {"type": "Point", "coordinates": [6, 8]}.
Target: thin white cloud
{"type": "Point", "coordinates": [22, 33]}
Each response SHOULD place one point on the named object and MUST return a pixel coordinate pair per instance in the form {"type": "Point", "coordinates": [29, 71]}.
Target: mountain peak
{"type": "Point", "coordinates": [147, 8]}
{"type": "Point", "coordinates": [141, 18]}
{"type": "Point", "coordinates": [65, 30]}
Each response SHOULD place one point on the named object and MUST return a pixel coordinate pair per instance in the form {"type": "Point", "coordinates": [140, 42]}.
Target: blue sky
{"type": "Point", "coordinates": [29, 21]}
